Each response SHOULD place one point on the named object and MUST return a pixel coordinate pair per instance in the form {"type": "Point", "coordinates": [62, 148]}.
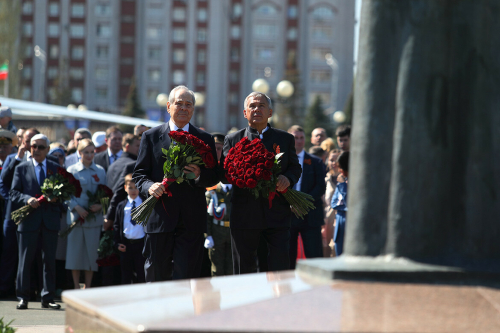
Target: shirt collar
{"type": "Point", "coordinates": [44, 163]}
{"type": "Point", "coordinates": [173, 127]}
{"type": "Point", "coordinates": [118, 154]}
{"type": "Point", "coordinates": [301, 154]}
{"type": "Point", "coordinates": [137, 200]}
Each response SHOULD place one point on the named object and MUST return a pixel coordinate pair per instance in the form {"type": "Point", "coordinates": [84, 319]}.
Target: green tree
{"type": "Point", "coordinates": [315, 117]}
{"type": "Point", "coordinates": [132, 107]}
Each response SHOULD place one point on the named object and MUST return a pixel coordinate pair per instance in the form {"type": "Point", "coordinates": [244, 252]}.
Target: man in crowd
{"type": "Point", "coordinates": [114, 141]}
{"type": "Point", "coordinates": [176, 226]}
{"type": "Point", "coordinates": [343, 134]}
{"type": "Point", "coordinates": [139, 129]}
{"type": "Point", "coordinates": [312, 182]}
{"type": "Point", "coordinates": [7, 140]}
{"type": "Point", "coordinates": [99, 140]}
{"type": "Point", "coordinates": [40, 227]}
{"type": "Point", "coordinates": [250, 217]}
{"type": "Point", "coordinates": [80, 134]}
{"type": "Point", "coordinates": [318, 135]}
{"type": "Point", "coordinates": [6, 119]}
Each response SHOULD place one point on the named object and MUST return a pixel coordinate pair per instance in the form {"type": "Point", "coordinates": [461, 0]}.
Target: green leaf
{"type": "Point", "coordinates": [189, 159]}
{"type": "Point", "coordinates": [165, 151]}
{"type": "Point", "coordinates": [177, 173]}
{"type": "Point", "coordinates": [190, 175]}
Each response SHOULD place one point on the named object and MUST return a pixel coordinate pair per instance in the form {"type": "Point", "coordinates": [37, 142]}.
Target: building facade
{"type": "Point", "coordinates": [95, 49]}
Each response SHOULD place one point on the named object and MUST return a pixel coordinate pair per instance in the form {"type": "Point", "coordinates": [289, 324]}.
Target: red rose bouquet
{"type": "Point", "coordinates": [107, 253]}
{"type": "Point", "coordinates": [101, 196]}
{"type": "Point", "coordinates": [185, 149]}
{"type": "Point", "coordinates": [250, 165]}
{"type": "Point", "coordinates": [62, 186]}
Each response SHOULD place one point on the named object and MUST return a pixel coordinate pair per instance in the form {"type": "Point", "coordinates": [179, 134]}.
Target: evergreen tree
{"type": "Point", "coordinates": [315, 117]}
{"type": "Point", "coordinates": [132, 107]}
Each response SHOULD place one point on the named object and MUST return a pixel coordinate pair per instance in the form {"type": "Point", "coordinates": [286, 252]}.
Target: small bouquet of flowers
{"type": "Point", "coordinates": [185, 149]}
{"type": "Point", "coordinates": [107, 253]}
{"type": "Point", "coordinates": [251, 166]}
{"type": "Point", "coordinates": [62, 186]}
{"type": "Point", "coordinates": [101, 196]}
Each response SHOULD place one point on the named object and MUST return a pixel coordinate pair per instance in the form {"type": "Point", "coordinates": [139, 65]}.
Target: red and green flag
{"type": "Point", "coordinates": [4, 71]}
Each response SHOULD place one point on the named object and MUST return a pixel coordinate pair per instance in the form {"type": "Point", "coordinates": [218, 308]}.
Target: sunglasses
{"type": "Point", "coordinates": [39, 147]}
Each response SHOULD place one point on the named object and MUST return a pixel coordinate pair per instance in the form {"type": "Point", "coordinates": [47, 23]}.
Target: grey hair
{"type": "Point", "coordinates": [40, 137]}
{"type": "Point", "coordinates": [84, 131]}
{"type": "Point", "coordinates": [258, 94]}
{"type": "Point", "coordinates": [171, 96]}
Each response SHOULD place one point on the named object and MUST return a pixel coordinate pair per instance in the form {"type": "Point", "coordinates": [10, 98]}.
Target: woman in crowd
{"type": "Point", "coordinates": [83, 241]}
{"type": "Point", "coordinates": [331, 183]}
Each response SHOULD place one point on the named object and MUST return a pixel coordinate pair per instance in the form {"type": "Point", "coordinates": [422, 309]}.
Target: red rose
{"type": "Point", "coordinates": [248, 166]}
{"type": "Point", "coordinates": [251, 183]}
{"type": "Point", "coordinates": [249, 173]}
{"type": "Point", "coordinates": [259, 174]}
{"type": "Point", "coordinates": [209, 160]}
{"type": "Point", "coordinates": [269, 164]}
{"type": "Point", "coordinates": [240, 183]}
{"type": "Point", "coordinates": [269, 155]}
{"type": "Point", "coordinates": [267, 174]}
{"type": "Point", "coordinates": [240, 172]}
{"type": "Point", "coordinates": [260, 165]}
{"type": "Point", "coordinates": [248, 158]}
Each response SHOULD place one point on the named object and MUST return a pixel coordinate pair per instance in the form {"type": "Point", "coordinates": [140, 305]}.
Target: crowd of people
{"type": "Point", "coordinates": [203, 227]}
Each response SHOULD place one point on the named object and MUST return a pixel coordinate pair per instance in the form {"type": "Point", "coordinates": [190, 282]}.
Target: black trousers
{"type": "Point", "coordinates": [182, 247]}
{"type": "Point", "coordinates": [132, 261]}
{"type": "Point", "coordinates": [244, 243]}
{"type": "Point", "coordinates": [311, 238]}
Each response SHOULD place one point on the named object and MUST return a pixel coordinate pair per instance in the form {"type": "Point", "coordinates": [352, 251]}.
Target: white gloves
{"type": "Point", "coordinates": [209, 242]}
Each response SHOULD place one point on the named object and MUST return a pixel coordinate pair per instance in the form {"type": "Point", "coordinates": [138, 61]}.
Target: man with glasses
{"type": "Point", "coordinates": [80, 134]}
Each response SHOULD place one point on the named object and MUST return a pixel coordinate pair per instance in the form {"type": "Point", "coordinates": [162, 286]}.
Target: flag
{"type": "Point", "coordinates": [4, 71]}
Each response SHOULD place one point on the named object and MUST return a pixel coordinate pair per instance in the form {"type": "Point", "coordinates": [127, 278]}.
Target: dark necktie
{"type": "Point", "coordinates": [41, 174]}
{"type": "Point", "coordinates": [133, 207]}
{"type": "Point", "coordinates": [115, 157]}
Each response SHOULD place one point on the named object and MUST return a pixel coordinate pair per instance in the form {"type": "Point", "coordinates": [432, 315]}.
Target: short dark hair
{"type": "Point", "coordinates": [344, 130]}
{"type": "Point", "coordinates": [128, 139]}
{"type": "Point", "coordinates": [129, 179]}
{"type": "Point", "coordinates": [112, 129]}
{"type": "Point", "coordinates": [295, 128]}
{"type": "Point", "coordinates": [343, 161]}
{"type": "Point", "coordinates": [32, 129]}
{"type": "Point", "coordinates": [317, 151]}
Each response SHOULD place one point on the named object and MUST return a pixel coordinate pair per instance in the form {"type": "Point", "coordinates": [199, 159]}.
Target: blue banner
{"type": "Point", "coordinates": [83, 123]}
{"type": "Point", "coordinates": [70, 123]}
{"type": "Point", "coordinates": [153, 114]}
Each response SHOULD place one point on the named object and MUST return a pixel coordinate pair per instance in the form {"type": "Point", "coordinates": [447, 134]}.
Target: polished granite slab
{"type": "Point", "coordinates": [282, 302]}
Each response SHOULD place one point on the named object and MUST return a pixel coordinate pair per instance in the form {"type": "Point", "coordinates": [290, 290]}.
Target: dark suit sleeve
{"type": "Point", "coordinates": [8, 171]}
{"type": "Point", "coordinates": [208, 176]}
{"type": "Point", "coordinates": [294, 169]}
{"type": "Point", "coordinates": [119, 193]}
{"type": "Point", "coordinates": [4, 187]}
{"type": "Point", "coordinates": [319, 179]}
{"type": "Point", "coordinates": [220, 168]}
{"type": "Point", "coordinates": [117, 225]}
{"type": "Point", "coordinates": [17, 196]}
{"type": "Point", "coordinates": [143, 166]}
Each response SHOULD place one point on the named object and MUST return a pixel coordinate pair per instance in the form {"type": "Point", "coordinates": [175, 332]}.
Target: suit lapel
{"type": "Point", "coordinates": [32, 171]}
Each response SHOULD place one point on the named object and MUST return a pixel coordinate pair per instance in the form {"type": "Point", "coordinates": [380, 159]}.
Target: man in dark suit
{"type": "Point", "coordinates": [312, 182]}
{"type": "Point", "coordinates": [114, 141]}
{"type": "Point", "coordinates": [80, 134]}
{"type": "Point", "coordinates": [40, 226]}
{"type": "Point", "coordinates": [250, 218]}
{"type": "Point", "coordinates": [176, 226]}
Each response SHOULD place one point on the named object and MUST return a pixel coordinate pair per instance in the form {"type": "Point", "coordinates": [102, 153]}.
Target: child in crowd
{"type": "Point", "coordinates": [339, 203]}
{"type": "Point", "coordinates": [129, 236]}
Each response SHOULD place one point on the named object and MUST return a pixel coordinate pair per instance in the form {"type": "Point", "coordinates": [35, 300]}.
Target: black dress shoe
{"type": "Point", "coordinates": [50, 305]}
{"type": "Point", "coordinates": [23, 305]}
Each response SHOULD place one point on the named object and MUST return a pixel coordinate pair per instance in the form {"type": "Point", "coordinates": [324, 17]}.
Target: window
{"type": "Point", "coordinates": [102, 51]}
{"type": "Point", "coordinates": [77, 95]}
{"type": "Point", "coordinates": [235, 32]}
{"type": "Point", "coordinates": [77, 31]}
{"type": "Point", "coordinates": [235, 54]}
{"type": "Point", "coordinates": [52, 72]}
{"type": "Point", "coordinates": [103, 9]}
{"type": "Point", "coordinates": [322, 32]}
{"type": "Point", "coordinates": [26, 92]}
{"type": "Point", "coordinates": [266, 10]}
{"type": "Point", "coordinates": [202, 56]}
{"type": "Point", "coordinates": [234, 76]}
{"type": "Point", "coordinates": [202, 35]}
{"type": "Point", "coordinates": [154, 75]}
{"type": "Point", "coordinates": [152, 94]}
{"type": "Point", "coordinates": [291, 34]}
{"type": "Point", "coordinates": [101, 93]}
{"type": "Point", "coordinates": [27, 29]}
{"type": "Point", "coordinates": [200, 78]}
{"type": "Point", "coordinates": [323, 13]}
{"type": "Point", "coordinates": [76, 73]}
{"type": "Point", "coordinates": [77, 52]}
{"type": "Point", "coordinates": [320, 76]}
{"type": "Point", "coordinates": [264, 52]}
{"type": "Point", "coordinates": [179, 35]}
{"type": "Point", "coordinates": [179, 14]}
{"type": "Point", "coordinates": [54, 51]}
{"type": "Point", "coordinates": [292, 11]}
{"type": "Point", "coordinates": [202, 14]}
{"type": "Point", "coordinates": [78, 10]}
{"type": "Point", "coordinates": [53, 9]}
{"type": "Point", "coordinates": [27, 8]}
{"type": "Point", "coordinates": [153, 31]}
{"type": "Point", "coordinates": [27, 72]}
{"type": "Point", "coordinates": [154, 53]}
{"type": "Point", "coordinates": [178, 77]}
{"type": "Point", "coordinates": [101, 73]}
{"type": "Point", "coordinates": [103, 30]}
{"type": "Point", "coordinates": [53, 30]}
{"type": "Point", "coordinates": [265, 30]}
{"type": "Point", "coordinates": [237, 10]}
{"type": "Point", "coordinates": [233, 98]}
{"type": "Point", "coordinates": [179, 56]}
{"type": "Point", "coordinates": [318, 54]}
{"type": "Point", "coordinates": [28, 51]}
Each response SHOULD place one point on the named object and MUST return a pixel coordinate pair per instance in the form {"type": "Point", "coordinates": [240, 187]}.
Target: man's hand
{"type": "Point", "coordinates": [81, 211]}
{"type": "Point", "coordinates": [283, 183]}
{"type": "Point", "coordinates": [156, 190]}
{"type": "Point", "coordinates": [122, 248]}
{"type": "Point", "coordinates": [340, 178]}
{"type": "Point", "coordinates": [21, 151]}
{"type": "Point", "coordinates": [192, 168]}
{"type": "Point", "coordinates": [108, 224]}
{"type": "Point", "coordinates": [33, 202]}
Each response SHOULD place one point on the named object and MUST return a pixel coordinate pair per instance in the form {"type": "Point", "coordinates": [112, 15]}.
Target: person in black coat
{"type": "Point", "coordinates": [176, 226]}
{"type": "Point", "coordinates": [252, 218]}
{"type": "Point", "coordinates": [313, 183]}
{"type": "Point", "coordinates": [41, 225]}
{"type": "Point", "coordinates": [114, 141]}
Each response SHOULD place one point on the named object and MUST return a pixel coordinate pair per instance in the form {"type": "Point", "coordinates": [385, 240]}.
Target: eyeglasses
{"type": "Point", "coordinates": [58, 155]}
{"type": "Point", "coordinates": [39, 147]}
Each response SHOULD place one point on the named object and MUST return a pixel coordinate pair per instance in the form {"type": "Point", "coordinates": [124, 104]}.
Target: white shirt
{"type": "Point", "coordinates": [37, 169]}
{"type": "Point", "coordinates": [301, 161]}
{"type": "Point", "coordinates": [111, 159]}
{"type": "Point", "coordinates": [173, 127]}
{"type": "Point", "coordinates": [129, 230]}
{"type": "Point", "coordinates": [28, 156]}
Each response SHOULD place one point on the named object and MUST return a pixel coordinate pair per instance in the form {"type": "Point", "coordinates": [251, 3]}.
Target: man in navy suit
{"type": "Point", "coordinates": [80, 134]}
{"type": "Point", "coordinates": [114, 138]}
{"type": "Point", "coordinates": [41, 225]}
{"type": "Point", "coordinates": [176, 226]}
{"type": "Point", "coordinates": [312, 182]}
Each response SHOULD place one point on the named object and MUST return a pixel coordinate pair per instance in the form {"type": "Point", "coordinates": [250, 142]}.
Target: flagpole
{"type": "Point", "coordinates": [6, 87]}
